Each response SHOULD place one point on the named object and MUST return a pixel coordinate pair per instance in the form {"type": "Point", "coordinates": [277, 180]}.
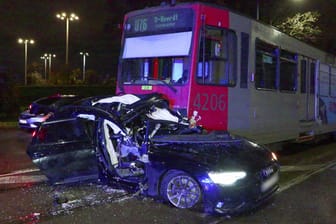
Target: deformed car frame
{"type": "Point", "coordinates": [41, 109]}
{"type": "Point", "coordinates": [138, 143]}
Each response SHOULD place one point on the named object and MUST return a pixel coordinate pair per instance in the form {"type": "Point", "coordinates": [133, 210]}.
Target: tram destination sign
{"type": "Point", "coordinates": [160, 22]}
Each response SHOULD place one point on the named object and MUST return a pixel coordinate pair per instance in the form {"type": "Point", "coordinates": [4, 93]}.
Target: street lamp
{"type": "Point", "coordinates": [84, 54]}
{"type": "Point", "coordinates": [25, 42]}
{"type": "Point", "coordinates": [45, 58]}
{"type": "Point", "coordinates": [67, 18]}
{"type": "Point", "coordinates": [50, 56]}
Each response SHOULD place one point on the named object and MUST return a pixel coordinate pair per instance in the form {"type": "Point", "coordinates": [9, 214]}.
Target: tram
{"type": "Point", "coordinates": [229, 72]}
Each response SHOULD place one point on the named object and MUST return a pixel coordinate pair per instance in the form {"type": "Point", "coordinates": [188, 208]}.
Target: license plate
{"type": "Point", "coordinates": [270, 182]}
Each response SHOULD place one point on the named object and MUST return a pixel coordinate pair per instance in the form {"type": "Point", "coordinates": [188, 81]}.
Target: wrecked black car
{"type": "Point", "coordinates": [138, 143]}
{"type": "Point", "coordinates": [42, 108]}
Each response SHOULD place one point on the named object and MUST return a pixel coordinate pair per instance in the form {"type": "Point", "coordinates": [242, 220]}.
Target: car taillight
{"type": "Point", "coordinates": [40, 135]}
{"type": "Point", "coordinates": [30, 107]}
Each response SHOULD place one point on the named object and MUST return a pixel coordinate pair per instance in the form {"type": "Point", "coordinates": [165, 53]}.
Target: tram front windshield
{"type": "Point", "coordinates": [156, 48]}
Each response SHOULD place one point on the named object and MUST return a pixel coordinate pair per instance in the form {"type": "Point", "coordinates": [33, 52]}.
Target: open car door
{"type": "Point", "coordinates": [64, 150]}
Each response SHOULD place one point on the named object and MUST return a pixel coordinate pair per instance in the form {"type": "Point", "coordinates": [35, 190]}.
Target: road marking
{"type": "Point", "coordinates": [23, 179]}
{"type": "Point", "coordinates": [17, 172]}
{"type": "Point", "coordinates": [17, 177]}
{"type": "Point", "coordinates": [300, 168]}
{"type": "Point", "coordinates": [305, 176]}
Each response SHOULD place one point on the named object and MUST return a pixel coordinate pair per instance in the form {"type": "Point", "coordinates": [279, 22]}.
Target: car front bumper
{"type": "Point", "coordinates": [240, 198]}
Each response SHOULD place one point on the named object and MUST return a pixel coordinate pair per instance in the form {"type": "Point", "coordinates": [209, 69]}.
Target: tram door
{"type": "Point", "coordinates": [308, 85]}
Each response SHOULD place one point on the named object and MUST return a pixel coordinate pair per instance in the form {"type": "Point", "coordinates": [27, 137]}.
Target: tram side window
{"type": "Point", "coordinates": [303, 79]}
{"type": "Point", "coordinates": [288, 71]}
{"type": "Point", "coordinates": [312, 78]}
{"type": "Point", "coordinates": [333, 82]}
{"type": "Point", "coordinates": [324, 80]}
{"type": "Point", "coordinates": [217, 57]}
{"type": "Point", "coordinates": [244, 52]}
{"type": "Point", "coordinates": [266, 65]}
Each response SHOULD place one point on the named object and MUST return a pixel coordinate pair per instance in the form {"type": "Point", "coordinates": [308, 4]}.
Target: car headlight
{"type": "Point", "coordinates": [226, 178]}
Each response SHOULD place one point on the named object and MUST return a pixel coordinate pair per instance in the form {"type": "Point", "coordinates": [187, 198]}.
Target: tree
{"type": "Point", "coordinates": [92, 77]}
{"type": "Point", "coordinates": [36, 78]}
{"type": "Point", "coordinates": [8, 96]}
{"type": "Point", "coordinates": [302, 26]}
{"type": "Point", "coordinates": [76, 76]}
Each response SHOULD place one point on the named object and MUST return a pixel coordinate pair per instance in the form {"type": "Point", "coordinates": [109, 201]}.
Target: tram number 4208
{"type": "Point", "coordinates": [210, 102]}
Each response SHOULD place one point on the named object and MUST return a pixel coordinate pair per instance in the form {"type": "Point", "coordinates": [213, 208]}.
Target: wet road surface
{"type": "Point", "coordinates": [306, 193]}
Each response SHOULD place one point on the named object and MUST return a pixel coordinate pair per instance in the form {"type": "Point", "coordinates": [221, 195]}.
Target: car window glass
{"type": "Point", "coordinates": [65, 131]}
{"type": "Point", "coordinates": [47, 101]}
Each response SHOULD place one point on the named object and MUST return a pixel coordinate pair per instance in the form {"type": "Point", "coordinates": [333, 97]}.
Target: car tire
{"type": "Point", "coordinates": [181, 190]}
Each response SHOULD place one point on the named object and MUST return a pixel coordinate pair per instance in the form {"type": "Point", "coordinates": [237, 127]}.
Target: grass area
{"type": "Point", "coordinates": [8, 124]}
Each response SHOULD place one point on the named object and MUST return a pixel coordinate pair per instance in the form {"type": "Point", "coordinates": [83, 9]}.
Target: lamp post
{"type": "Point", "coordinates": [258, 8]}
{"type": "Point", "coordinates": [67, 18]}
{"type": "Point", "coordinates": [45, 58]}
{"type": "Point", "coordinates": [84, 54]}
{"type": "Point", "coordinates": [25, 42]}
{"type": "Point", "coordinates": [50, 56]}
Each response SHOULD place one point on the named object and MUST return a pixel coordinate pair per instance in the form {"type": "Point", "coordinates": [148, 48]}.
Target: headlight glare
{"type": "Point", "coordinates": [226, 178]}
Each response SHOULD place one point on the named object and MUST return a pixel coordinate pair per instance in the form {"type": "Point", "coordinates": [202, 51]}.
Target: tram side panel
{"type": "Point", "coordinates": [284, 110]}
{"type": "Point", "coordinates": [326, 120]}
{"type": "Point", "coordinates": [265, 115]}
{"type": "Point", "coordinates": [239, 104]}
{"type": "Point", "coordinates": [275, 111]}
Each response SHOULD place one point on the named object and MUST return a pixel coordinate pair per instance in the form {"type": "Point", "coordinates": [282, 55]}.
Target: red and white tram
{"type": "Point", "coordinates": [229, 72]}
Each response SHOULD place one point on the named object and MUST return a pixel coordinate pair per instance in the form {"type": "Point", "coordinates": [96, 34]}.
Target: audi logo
{"type": "Point", "coordinates": [267, 171]}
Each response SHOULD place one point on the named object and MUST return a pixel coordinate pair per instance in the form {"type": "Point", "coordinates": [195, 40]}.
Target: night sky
{"type": "Point", "coordinates": [94, 32]}
{"type": "Point", "coordinates": [97, 30]}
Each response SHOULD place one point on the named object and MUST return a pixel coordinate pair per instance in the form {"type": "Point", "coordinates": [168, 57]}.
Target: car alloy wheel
{"type": "Point", "coordinates": [181, 190]}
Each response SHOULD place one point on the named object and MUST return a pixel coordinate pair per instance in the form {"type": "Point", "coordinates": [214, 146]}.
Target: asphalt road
{"type": "Point", "coordinates": [306, 193]}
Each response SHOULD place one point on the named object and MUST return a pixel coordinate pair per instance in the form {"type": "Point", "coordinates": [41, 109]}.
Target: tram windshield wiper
{"type": "Point", "coordinates": [164, 83]}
